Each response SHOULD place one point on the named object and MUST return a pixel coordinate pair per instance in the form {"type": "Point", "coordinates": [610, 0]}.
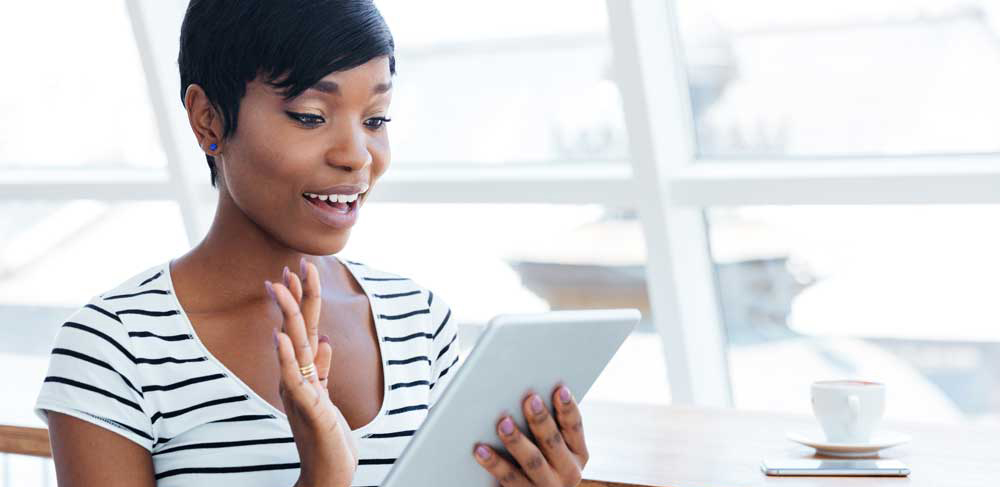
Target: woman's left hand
{"type": "Point", "coordinates": [558, 454]}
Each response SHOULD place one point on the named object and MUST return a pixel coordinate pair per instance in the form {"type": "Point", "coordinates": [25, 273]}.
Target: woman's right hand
{"type": "Point", "coordinates": [327, 450]}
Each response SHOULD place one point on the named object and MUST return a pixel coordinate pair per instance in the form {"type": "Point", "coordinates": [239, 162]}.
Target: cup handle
{"type": "Point", "coordinates": [854, 405]}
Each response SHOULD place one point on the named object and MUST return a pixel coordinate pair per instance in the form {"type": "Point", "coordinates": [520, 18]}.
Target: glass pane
{"type": "Point", "coordinates": [77, 97]}
{"type": "Point", "coordinates": [900, 294]}
{"type": "Point", "coordinates": [481, 82]}
{"type": "Point", "coordinates": [53, 257]}
{"type": "Point", "coordinates": [59, 254]}
{"type": "Point", "coordinates": [782, 78]}
{"type": "Point", "coordinates": [27, 471]}
{"type": "Point", "coordinates": [517, 258]}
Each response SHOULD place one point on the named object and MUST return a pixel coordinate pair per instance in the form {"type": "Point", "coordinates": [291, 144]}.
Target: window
{"type": "Point", "coordinates": [524, 258]}
{"type": "Point", "coordinates": [507, 257]}
{"type": "Point", "coordinates": [474, 76]}
{"type": "Point", "coordinates": [59, 254]}
{"type": "Point", "coordinates": [801, 79]}
{"type": "Point", "coordinates": [878, 103]}
{"type": "Point", "coordinates": [27, 471]}
{"type": "Point", "coordinates": [74, 96]}
{"type": "Point", "coordinates": [903, 294]}
{"type": "Point", "coordinates": [772, 82]}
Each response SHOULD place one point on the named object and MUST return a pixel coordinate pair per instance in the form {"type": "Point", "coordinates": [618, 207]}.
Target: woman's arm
{"type": "Point", "coordinates": [87, 455]}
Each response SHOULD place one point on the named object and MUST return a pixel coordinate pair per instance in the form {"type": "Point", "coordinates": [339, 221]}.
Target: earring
{"type": "Point", "coordinates": [213, 146]}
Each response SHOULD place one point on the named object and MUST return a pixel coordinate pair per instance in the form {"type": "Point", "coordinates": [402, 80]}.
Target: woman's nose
{"type": "Point", "coordinates": [349, 150]}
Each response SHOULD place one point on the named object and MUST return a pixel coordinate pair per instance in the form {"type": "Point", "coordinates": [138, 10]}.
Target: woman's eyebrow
{"type": "Point", "coordinates": [331, 87]}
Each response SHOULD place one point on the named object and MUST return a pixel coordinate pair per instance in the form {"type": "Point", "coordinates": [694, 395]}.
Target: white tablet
{"type": "Point", "coordinates": [515, 353]}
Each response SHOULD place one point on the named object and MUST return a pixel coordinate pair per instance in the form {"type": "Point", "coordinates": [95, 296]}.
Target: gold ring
{"type": "Point", "coordinates": [308, 370]}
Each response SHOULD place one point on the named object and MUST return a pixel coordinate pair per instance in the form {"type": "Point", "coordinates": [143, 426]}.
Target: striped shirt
{"type": "Point", "coordinates": [130, 361]}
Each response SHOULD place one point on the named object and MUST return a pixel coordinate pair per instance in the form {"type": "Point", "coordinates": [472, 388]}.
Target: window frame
{"type": "Point", "coordinates": [664, 179]}
{"type": "Point", "coordinates": [673, 184]}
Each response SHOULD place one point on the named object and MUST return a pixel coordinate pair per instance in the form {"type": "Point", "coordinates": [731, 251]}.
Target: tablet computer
{"type": "Point", "coordinates": [514, 354]}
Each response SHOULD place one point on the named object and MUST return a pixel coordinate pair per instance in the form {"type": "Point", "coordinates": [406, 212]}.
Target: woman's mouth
{"type": "Point", "coordinates": [336, 210]}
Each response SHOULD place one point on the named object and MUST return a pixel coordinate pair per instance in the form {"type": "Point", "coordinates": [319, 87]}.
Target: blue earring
{"type": "Point", "coordinates": [213, 146]}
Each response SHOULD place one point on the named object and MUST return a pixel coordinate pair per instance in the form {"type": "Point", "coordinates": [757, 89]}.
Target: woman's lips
{"type": "Point", "coordinates": [337, 215]}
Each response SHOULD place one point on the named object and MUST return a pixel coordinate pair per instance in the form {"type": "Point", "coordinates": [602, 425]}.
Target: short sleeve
{"type": "Point", "coordinates": [444, 346]}
{"type": "Point", "coordinates": [92, 375]}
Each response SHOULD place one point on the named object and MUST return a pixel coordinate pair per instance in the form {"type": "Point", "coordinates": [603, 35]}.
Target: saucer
{"type": "Point", "coordinates": [879, 440]}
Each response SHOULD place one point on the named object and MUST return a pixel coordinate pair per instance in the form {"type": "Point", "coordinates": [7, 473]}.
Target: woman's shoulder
{"type": "Point", "coordinates": [386, 284]}
{"type": "Point", "coordinates": [369, 273]}
{"type": "Point", "coordinates": [93, 372]}
{"type": "Point", "coordinates": [152, 280]}
{"type": "Point", "coordinates": [379, 280]}
{"type": "Point", "coordinates": [111, 315]}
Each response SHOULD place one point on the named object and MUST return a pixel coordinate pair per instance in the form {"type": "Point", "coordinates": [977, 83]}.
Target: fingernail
{"type": "Point", "coordinates": [564, 394]}
{"type": "Point", "coordinates": [274, 335]}
{"type": "Point", "coordinates": [536, 404]}
{"type": "Point", "coordinates": [482, 452]}
{"type": "Point", "coordinates": [284, 276]}
{"type": "Point", "coordinates": [270, 291]}
{"type": "Point", "coordinates": [302, 266]}
{"type": "Point", "coordinates": [324, 339]}
{"type": "Point", "coordinates": [506, 426]}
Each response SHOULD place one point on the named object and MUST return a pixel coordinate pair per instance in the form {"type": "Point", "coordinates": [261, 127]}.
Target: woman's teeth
{"type": "Point", "coordinates": [340, 203]}
{"type": "Point", "coordinates": [333, 198]}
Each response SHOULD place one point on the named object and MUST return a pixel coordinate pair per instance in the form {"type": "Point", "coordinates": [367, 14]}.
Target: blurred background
{"type": "Point", "coordinates": [789, 190]}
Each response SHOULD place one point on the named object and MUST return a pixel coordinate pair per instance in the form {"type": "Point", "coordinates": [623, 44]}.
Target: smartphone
{"type": "Point", "coordinates": [805, 466]}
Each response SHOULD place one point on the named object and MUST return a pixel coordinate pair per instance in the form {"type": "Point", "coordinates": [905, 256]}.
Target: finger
{"type": "Point", "coordinates": [549, 440]}
{"type": "Point", "coordinates": [295, 286]}
{"type": "Point", "coordinates": [323, 357]}
{"type": "Point", "coordinates": [293, 324]}
{"type": "Point", "coordinates": [570, 422]}
{"type": "Point", "coordinates": [293, 386]}
{"type": "Point", "coordinates": [527, 455]}
{"type": "Point", "coordinates": [293, 283]}
{"type": "Point", "coordinates": [311, 302]}
{"type": "Point", "coordinates": [508, 475]}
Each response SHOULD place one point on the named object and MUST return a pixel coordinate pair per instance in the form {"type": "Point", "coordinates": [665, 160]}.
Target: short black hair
{"type": "Point", "coordinates": [225, 44]}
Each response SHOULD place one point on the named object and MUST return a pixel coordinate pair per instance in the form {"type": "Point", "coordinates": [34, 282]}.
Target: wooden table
{"type": "Point", "coordinates": [651, 445]}
{"type": "Point", "coordinates": [660, 446]}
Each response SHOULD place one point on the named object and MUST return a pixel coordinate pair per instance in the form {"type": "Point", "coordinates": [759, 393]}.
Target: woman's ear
{"type": "Point", "coordinates": [204, 119]}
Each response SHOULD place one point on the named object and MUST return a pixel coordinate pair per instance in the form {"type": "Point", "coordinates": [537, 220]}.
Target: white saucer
{"type": "Point", "coordinates": [879, 440]}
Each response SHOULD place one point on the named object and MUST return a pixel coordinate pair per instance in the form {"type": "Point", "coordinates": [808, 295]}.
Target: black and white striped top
{"type": "Point", "coordinates": [131, 362]}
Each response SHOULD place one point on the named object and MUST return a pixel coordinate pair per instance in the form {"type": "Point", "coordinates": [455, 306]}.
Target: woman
{"type": "Point", "coordinates": [173, 372]}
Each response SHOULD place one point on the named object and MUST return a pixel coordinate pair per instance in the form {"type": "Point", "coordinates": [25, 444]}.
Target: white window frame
{"type": "Point", "coordinates": [673, 183]}
{"type": "Point", "coordinates": [665, 180]}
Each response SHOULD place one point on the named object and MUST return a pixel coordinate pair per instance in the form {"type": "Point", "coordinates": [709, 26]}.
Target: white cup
{"type": "Point", "coordinates": [848, 410]}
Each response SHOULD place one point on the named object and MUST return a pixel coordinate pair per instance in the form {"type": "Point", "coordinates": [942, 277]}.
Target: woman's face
{"type": "Point", "coordinates": [330, 140]}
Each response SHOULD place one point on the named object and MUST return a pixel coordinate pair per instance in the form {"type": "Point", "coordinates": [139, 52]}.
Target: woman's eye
{"type": "Point", "coordinates": [311, 120]}
{"type": "Point", "coordinates": [306, 119]}
{"type": "Point", "coordinates": [381, 121]}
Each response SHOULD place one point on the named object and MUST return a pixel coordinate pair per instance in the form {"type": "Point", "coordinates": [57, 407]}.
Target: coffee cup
{"type": "Point", "coordinates": [848, 410]}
